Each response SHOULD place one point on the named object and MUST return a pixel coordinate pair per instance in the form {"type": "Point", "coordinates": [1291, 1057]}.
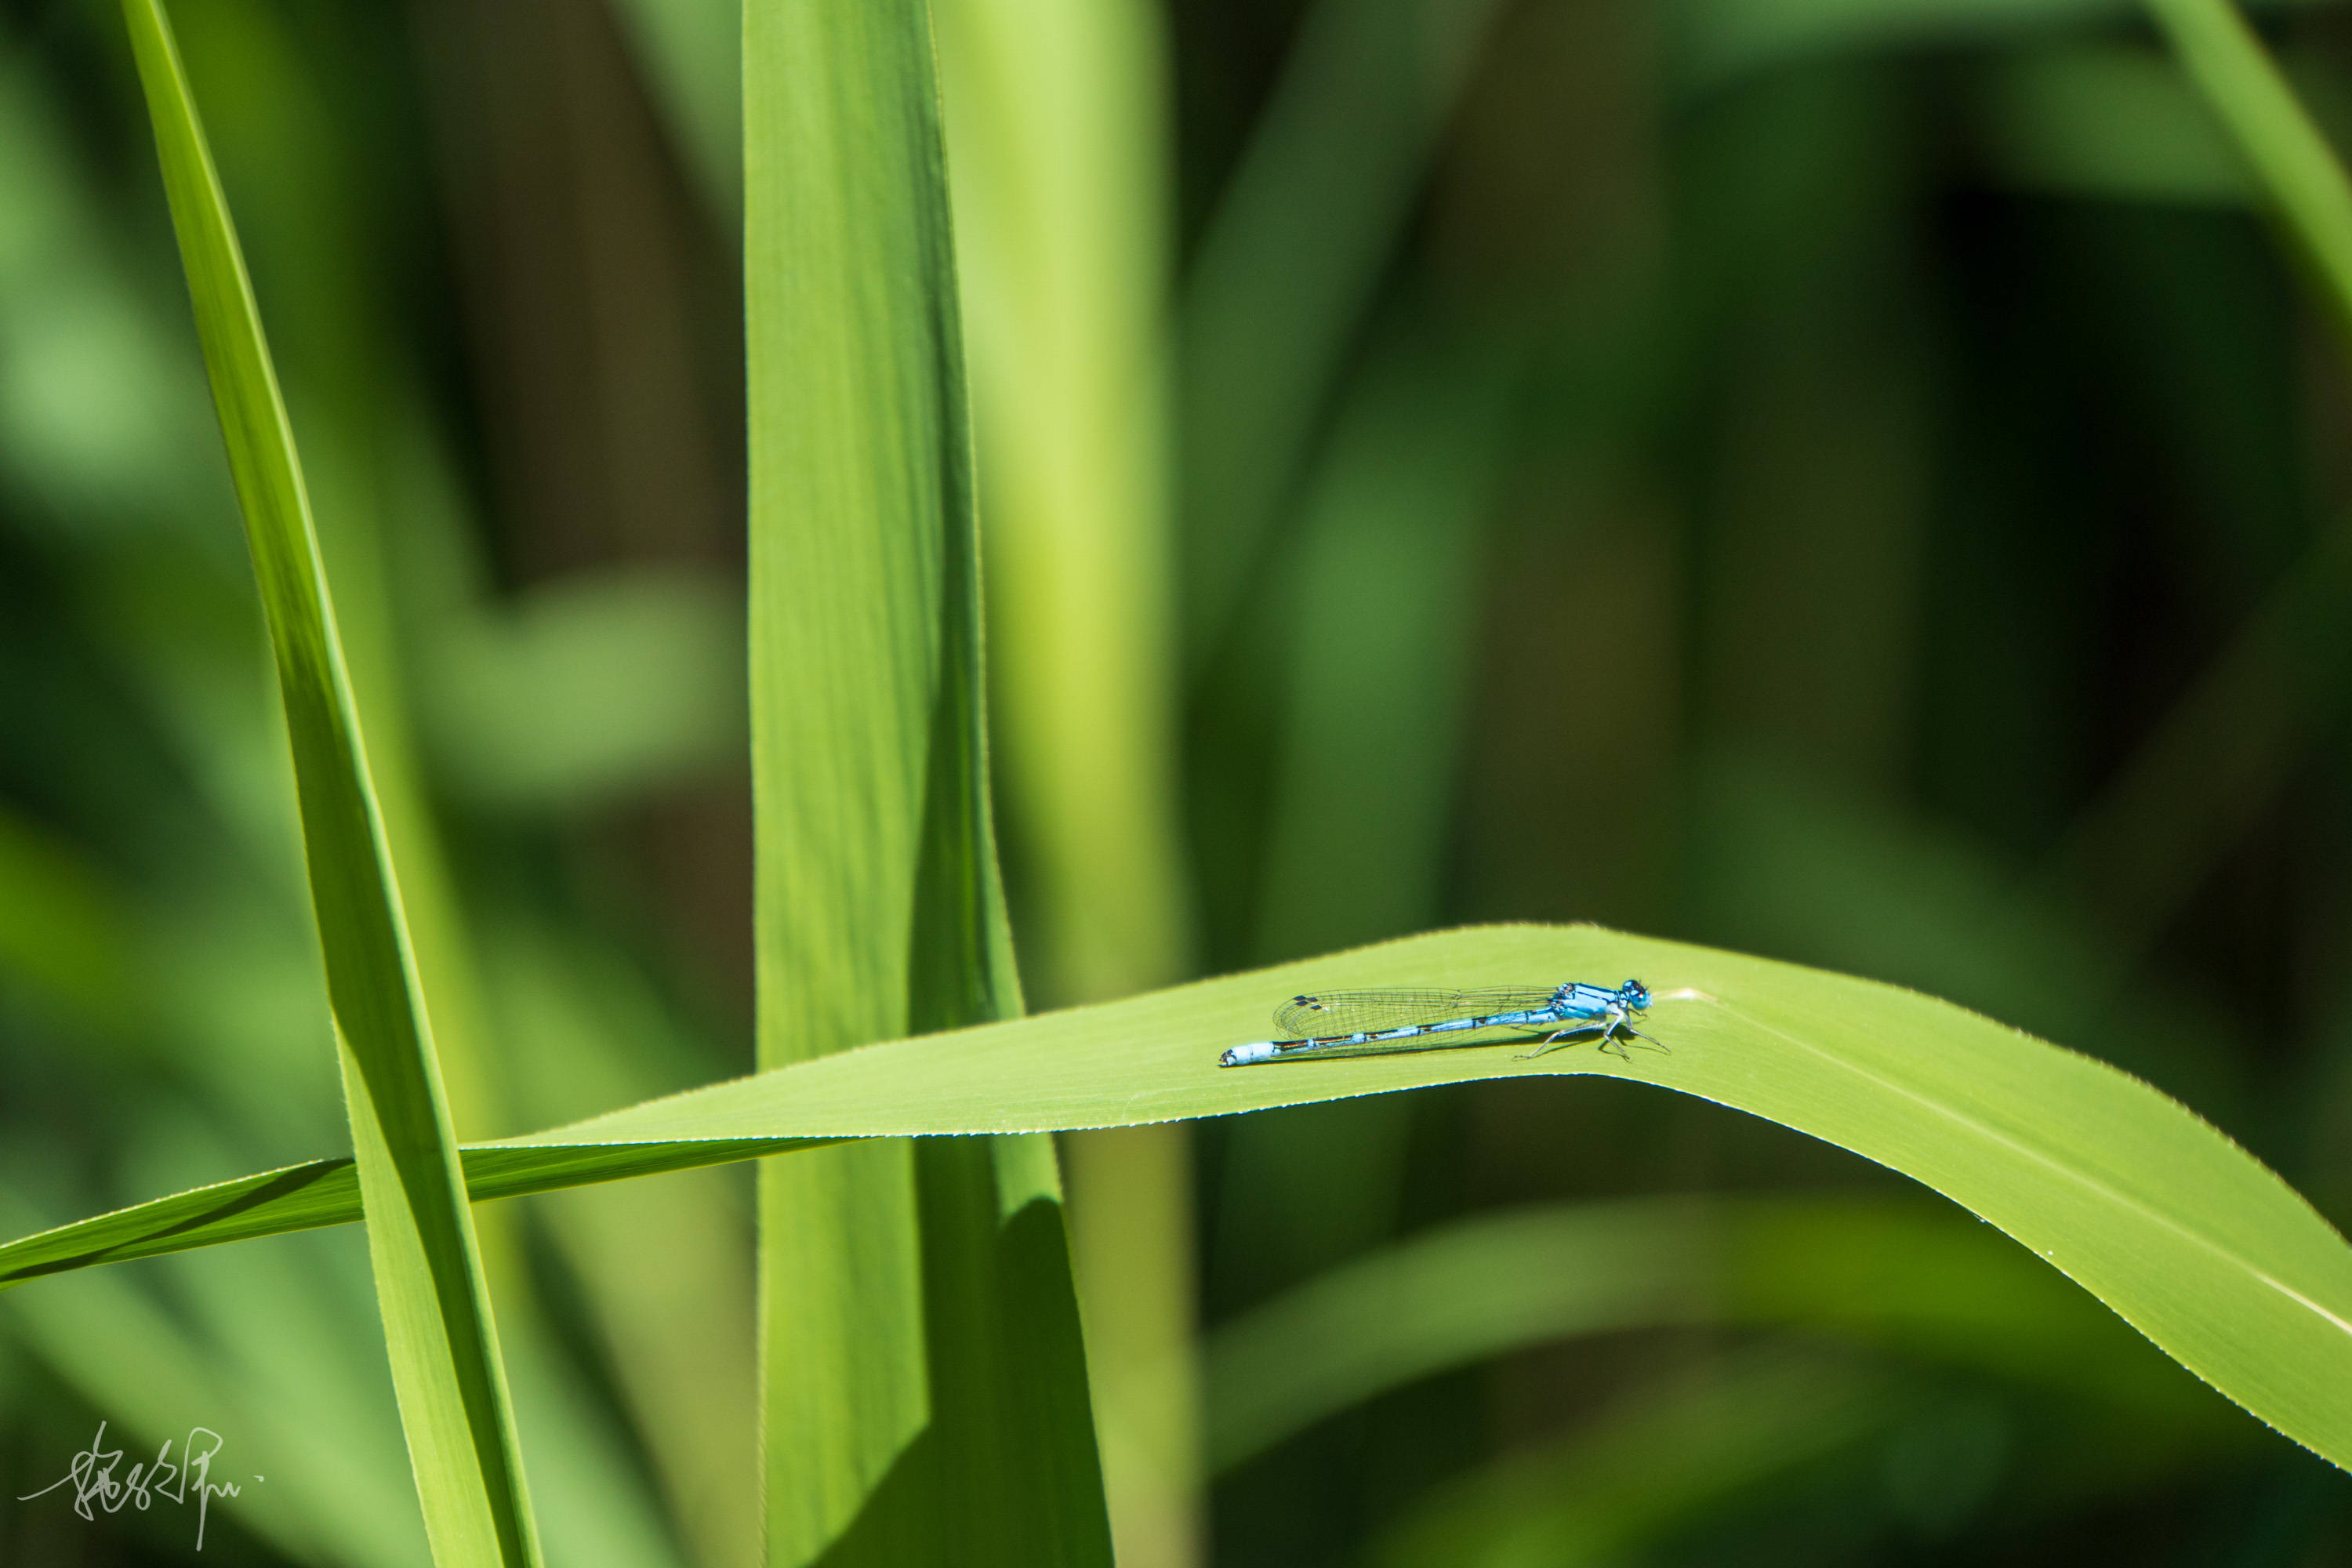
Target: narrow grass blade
{"type": "Point", "coordinates": [2291, 160]}
{"type": "Point", "coordinates": [925, 1390]}
{"type": "Point", "coordinates": [437, 1316]}
{"type": "Point", "coordinates": [327, 1192]}
{"type": "Point", "coordinates": [2126, 1192]}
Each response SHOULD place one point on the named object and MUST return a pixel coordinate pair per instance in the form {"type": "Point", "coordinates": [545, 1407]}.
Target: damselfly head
{"type": "Point", "coordinates": [1634, 994]}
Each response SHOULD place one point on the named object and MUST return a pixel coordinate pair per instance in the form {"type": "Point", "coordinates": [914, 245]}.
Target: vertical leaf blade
{"type": "Point", "coordinates": [2221, 54]}
{"type": "Point", "coordinates": [1060, 153]}
{"type": "Point", "coordinates": [924, 1390]}
{"type": "Point", "coordinates": [437, 1327]}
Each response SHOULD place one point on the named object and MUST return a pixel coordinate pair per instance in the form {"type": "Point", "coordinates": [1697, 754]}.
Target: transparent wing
{"type": "Point", "coordinates": [1329, 1012]}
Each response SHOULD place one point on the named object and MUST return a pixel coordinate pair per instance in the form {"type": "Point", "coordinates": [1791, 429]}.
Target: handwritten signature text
{"type": "Point", "coordinates": [93, 1479]}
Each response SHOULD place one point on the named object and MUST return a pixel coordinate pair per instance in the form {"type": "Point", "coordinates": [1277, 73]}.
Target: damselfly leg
{"type": "Point", "coordinates": [1613, 1026]}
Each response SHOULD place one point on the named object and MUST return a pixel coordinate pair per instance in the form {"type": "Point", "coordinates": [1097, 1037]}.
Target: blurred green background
{"type": "Point", "coordinates": [1852, 480]}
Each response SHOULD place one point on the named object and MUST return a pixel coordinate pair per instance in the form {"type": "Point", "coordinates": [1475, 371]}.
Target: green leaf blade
{"type": "Point", "coordinates": [924, 1397]}
{"type": "Point", "coordinates": [435, 1311]}
{"type": "Point", "coordinates": [2190, 1238]}
{"type": "Point", "coordinates": [2187, 1237]}
{"type": "Point", "coordinates": [2296, 170]}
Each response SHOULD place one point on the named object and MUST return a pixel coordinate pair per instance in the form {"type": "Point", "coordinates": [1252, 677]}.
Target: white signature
{"type": "Point", "coordinates": [93, 1479]}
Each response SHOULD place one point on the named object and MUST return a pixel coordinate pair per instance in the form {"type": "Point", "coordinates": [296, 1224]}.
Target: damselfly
{"type": "Point", "coordinates": [1345, 1023]}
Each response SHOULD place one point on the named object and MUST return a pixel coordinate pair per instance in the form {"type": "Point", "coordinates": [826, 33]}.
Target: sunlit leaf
{"type": "Point", "coordinates": [2127, 1193]}
{"type": "Point", "coordinates": [925, 1387]}
{"type": "Point", "coordinates": [436, 1314]}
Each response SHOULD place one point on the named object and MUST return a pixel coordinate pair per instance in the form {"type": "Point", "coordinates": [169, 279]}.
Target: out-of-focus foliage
{"type": "Point", "coordinates": [1857, 482]}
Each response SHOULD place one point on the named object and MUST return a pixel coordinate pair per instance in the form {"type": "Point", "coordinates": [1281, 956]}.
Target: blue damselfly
{"type": "Point", "coordinates": [1349, 1023]}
